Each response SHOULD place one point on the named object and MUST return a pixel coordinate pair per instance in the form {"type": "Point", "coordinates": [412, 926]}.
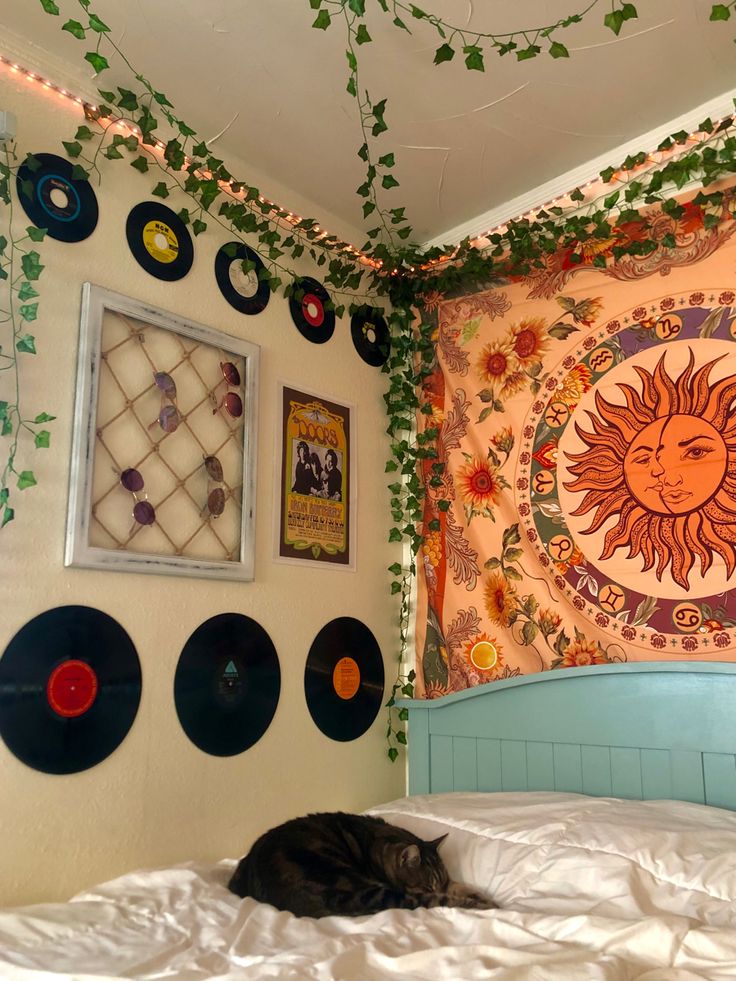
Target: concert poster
{"type": "Point", "coordinates": [316, 519]}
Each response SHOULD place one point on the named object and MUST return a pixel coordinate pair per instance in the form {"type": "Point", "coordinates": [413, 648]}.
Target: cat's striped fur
{"type": "Point", "coordinates": [348, 865]}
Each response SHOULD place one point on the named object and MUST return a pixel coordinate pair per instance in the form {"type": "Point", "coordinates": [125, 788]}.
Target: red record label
{"type": "Point", "coordinates": [72, 689]}
{"type": "Point", "coordinates": [313, 310]}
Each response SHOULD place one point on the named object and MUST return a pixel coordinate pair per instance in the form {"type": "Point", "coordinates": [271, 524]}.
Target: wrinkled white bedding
{"type": "Point", "coordinates": [591, 889]}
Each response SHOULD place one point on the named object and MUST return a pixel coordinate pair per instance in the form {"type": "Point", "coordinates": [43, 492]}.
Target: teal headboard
{"type": "Point", "coordinates": [643, 730]}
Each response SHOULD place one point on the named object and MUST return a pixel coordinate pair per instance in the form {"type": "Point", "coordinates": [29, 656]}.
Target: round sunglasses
{"type": "Point", "coordinates": [144, 512]}
{"type": "Point", "coordinates": [216, 497]}
{"type": "Point", "coordinates": [169, 416]}
{"type": "Point", "coordinates": [231, 402]}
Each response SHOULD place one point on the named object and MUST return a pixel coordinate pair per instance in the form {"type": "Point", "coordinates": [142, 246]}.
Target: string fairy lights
{"type": "Point", "coordinates": [292, 220]}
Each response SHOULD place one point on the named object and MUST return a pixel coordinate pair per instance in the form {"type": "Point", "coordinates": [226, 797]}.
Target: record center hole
{"type": "Point", "coordinates": [58, 198]}
{"type": "Point", "coordinates": [313, 310]}
{"type": "Point", "coordinates": [161, 242]}
{"type": "Point", "coordinates": [371, 335]}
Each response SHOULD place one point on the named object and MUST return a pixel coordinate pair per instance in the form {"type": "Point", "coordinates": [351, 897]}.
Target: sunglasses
{"type": "Point", "coordinates": [144, 512]}
{"type": "Point", "coordinates": [169, 416]}
{"type": "Point", "coordinates": [231, 401]}
{"type": "Point", "coordinates": [216, 497]}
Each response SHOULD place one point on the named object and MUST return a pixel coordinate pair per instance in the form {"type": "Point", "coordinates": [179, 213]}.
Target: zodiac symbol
{"type": "Point", "coordinates": [601, 360]}
{"type": "Point", "coordinates": [560, 547]}
{"type": "Point", "coordinates": [687, 617]}
{"type": "Point", "coordinates": [612, 597]}
{"type": "Point", "coordinates": [668, 327]}
{"type": "Point", "coordinates": [556, 415]}
{"type": "Point", "coordinates": [543, 482]}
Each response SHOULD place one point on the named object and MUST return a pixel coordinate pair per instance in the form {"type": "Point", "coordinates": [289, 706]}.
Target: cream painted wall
{"type": "Point", "coordinates": [158, 799]}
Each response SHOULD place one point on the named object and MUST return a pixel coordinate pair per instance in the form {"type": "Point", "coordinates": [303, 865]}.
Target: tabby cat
{"type": "Point", "coordinates": [348, 865]}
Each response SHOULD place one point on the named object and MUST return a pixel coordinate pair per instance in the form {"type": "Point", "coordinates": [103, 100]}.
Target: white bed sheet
{"type": "Point", "coordinates": [591, 889]}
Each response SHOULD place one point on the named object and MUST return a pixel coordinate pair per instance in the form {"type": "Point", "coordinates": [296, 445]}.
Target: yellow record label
{"type": "Point", "coordinates": [160, 241]}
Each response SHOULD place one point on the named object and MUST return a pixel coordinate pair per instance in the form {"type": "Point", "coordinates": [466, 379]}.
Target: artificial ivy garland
{"type": "Point", "coordinates": [409, 276]}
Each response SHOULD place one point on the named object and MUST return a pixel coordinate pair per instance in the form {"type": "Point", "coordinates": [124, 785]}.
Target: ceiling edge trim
{"type": "Point", "coordinates": [722, 105]}
{"type": "Point", "coordinates": [42, 62]}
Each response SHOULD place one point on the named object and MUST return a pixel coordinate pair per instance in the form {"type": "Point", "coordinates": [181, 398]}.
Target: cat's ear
{"type": "Point", "coordinates": [438, 841]}
{"type": "Point", "coordinates": [410, 856]}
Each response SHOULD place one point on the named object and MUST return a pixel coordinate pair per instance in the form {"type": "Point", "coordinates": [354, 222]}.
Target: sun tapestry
{"type": "Point", "coordinates": [587, 420]}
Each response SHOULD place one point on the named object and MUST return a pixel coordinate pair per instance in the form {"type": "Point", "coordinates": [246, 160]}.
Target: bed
{"type": "Point", "coordinates": [594, 805]}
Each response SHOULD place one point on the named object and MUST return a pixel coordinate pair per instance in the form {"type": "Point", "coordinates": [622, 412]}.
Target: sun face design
{"type": "Point", "coordinates": [664, 465]}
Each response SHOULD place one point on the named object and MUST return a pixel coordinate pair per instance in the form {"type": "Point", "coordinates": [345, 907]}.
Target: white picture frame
{"type": "Point", "coordinates": [102, 394]}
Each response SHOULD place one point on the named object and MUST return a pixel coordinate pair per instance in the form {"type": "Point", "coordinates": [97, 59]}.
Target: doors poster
{"type": "Point", "coordinates": [316, 511]}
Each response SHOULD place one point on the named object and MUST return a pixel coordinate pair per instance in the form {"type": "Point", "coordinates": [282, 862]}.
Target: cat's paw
{"type": "Point", "coordinates": [467, 898]}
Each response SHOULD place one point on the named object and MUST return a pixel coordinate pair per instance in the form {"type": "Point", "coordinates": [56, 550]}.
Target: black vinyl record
{"type": "Point", "coordinates": [55, 200]}
{"type": "Point", "coordinates": [245, 291]}
{"type": "Point", "coordinates": [227, 684]}
{"type": "Point", "coordinates": [371, 336]}
{"type": "Point", "coordinates": [344, 679]}
{"type": "Point", "coordinates": [70, 684]}
{"type": "Point", "coordinates": [309, 312]}
{"type": "Point", "coordinates": [159, 241]}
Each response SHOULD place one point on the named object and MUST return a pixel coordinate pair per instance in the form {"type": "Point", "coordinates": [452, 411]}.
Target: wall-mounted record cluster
{"type": "Point", "coordinates": [66, 206]}
{"type": "Point", "coordinates": [70, 686]}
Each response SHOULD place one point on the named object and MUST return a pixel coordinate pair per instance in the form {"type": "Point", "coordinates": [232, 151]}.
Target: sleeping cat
{"type": "Point", "coordinates": [348, 865]}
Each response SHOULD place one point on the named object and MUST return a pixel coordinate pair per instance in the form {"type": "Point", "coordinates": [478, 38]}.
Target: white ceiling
{"type": "Point", "coordinates": [465, 142]}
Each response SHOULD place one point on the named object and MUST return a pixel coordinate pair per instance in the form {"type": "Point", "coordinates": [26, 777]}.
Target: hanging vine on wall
{"type": "Point", "coordinates": [20, 269]}
{"type": "Point", "coordinates": [162, 144]}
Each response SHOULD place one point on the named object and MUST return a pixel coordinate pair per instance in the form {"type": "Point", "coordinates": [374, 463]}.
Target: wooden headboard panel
{"type": "Point", "coordinates": [636, 730]}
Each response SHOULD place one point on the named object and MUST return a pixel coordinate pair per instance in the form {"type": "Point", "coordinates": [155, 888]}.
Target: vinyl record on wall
{"type": "Point", "coordinates": [344, 679]}
{"type": "Point", "coordinates": [159, 241]}
{"type": "Point", "coordinates": [66, 206]}
{"type": "Point", "coordinates": [371, 337]}
{"type": "Point", "coordinates": [247, 292]}
{"type": "Point", "coordinates": [227, 684]}
{"type": "Point", "coordinates": [70, 685]}
{"type": "Point", "coordinates": [308, 306]}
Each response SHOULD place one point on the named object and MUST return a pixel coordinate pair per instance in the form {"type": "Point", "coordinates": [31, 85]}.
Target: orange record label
{"type": "Point", "coordinates": [346, 678]}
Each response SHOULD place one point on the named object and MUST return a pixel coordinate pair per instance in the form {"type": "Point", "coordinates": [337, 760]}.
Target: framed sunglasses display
{"type": "Point", "coordinates": [163, 460]}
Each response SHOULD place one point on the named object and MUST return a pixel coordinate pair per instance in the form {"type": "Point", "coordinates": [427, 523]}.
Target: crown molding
{"type": "Point", "coordinates": [41, 62]}
{"type": "Point", "coordinates": [722, 105]}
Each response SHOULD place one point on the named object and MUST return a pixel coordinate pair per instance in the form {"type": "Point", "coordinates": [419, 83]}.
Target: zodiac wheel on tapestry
{"type": "Point", "coordinates": [626, 483]}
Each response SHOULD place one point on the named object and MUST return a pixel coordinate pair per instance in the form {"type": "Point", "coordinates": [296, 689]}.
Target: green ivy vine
{"type": "Point", "coordinates": [166, 150]}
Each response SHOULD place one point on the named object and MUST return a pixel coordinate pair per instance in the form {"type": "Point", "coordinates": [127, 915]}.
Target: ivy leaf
{"type": "Point", "coordinates": [199, 226]}
{"type": "Point", "coordinates": [99, 62]}
{"type": "Point", "coordinates": [83, 133]}
{"type": "Point", "coordinates": [35, 235]}
{"type": "Point", "coordinates": [29, 311]}
{"type": "Point", "coordinates": [75, 28]}
{"type": "Point", "coordinates": [558, 50]}
{"type": "Point", "coordinates": [9, 514]}
{"type": "Point", "coordinates": [323, 20]}
{"type": "Point", "coordinates": [27, 344]}
{"type": "Point", "coordinates": [26, 479]}
{"type": "Point", "coordinates": [128, 100]}
{"type": "Point", "coordinates": [417, 12]}
{"type": "Point", "coordinates": [44, 417]}
{"type": "Point", "coordinates": [26, 291]}
{"type": "Point", "coordinates": [140, 163]}
{"type": "Point", "coordinates": [388, 181]}
{"type": "Point", "coordinates": [444, 53]}
{"type": "Point", "coordinates": [97, 25]}
{"type": "Point", "coordinates": [398, 22]}
{"type": "Point", "coordinates": [362, 36]}
{"type": "Point", "coordinates": [393, 752]}
{"type": "Point", "coordinates": [73, 149]}
{"type": "Point", "coordinates": [719, 12]}
{"type": "Point", "coordinates": [357, 6]}
{"type": "Point", "coordinates": [50, 7]}
{"type": "Point", "coordinates": [526, 53]}
{"type": "Point", "coordinates": [42, 439]}
{"type": "Point", "coordinates": [628, 12]}
{"type": "Point", "coordinates": [614, 21]}
{"type": "Point", "coordinates": [474, 58]}
{"type": "Point", "coordinates": [31, 264]}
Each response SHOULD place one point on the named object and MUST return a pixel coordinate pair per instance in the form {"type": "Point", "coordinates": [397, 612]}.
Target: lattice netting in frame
{"type": "Point", "coordinates": [129, 435]}
{"type": "Point", "coordinates": [587, 418]}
